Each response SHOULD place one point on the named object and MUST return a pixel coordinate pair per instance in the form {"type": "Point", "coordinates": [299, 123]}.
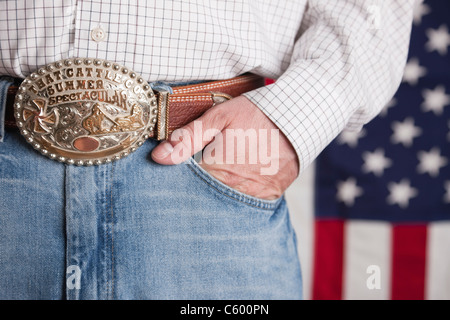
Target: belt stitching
{"type": "Point", "coordinates": [211, 85]}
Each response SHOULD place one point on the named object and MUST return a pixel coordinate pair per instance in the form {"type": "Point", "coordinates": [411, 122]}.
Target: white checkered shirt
{"type": "Point", "coordinates": [337, 62]}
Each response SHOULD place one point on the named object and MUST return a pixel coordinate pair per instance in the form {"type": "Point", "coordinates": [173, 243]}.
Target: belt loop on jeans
{"type": "Point", "coordinates": [5, 83]}
{"type": "Point", "coordinates": [162, 127]}
{"type": "Point", "coordinates": [91, 111]}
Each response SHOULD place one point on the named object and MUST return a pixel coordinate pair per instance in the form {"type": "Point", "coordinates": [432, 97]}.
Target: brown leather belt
{"type": "Point", "coordinates": [86, 111]}
{"type": "Point", "coordinates": [186, 104]}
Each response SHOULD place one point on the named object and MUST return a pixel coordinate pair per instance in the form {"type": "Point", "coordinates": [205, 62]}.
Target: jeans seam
{"type": "Point", "coordinates": [112, 231]}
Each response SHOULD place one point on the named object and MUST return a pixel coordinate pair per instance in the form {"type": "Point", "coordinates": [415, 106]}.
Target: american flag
{"type": "Point", "coordinates": [382, 195]}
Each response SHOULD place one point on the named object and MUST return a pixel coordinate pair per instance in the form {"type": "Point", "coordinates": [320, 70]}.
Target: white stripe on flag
{"type": "Point", "coordinates": [437, 285]}
{"type": "Point", "coordinates": [300, 200]}
{"type": "Point", "coordinates": [367, 260]}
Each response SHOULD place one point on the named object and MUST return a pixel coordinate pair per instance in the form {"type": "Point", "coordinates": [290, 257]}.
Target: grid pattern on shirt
{"type": "Point", "coordinates": [345, 68]}
{"type": "Point", "coordinates": [334, 69]}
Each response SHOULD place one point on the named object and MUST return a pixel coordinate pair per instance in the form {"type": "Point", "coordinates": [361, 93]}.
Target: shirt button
{"type": "Point", "coordinates": [98, 34]}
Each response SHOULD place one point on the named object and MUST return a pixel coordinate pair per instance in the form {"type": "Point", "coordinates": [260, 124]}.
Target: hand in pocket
{"type": "Point", "coordinates": [240, 146]}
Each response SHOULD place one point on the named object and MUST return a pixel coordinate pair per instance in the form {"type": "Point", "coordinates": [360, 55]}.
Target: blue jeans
{"type": "Point", "coordinates": [134, 229]}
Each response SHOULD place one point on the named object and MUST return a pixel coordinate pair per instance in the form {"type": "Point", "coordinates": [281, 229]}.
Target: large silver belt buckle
{"type": "Point", "coordinates": [85, 111]}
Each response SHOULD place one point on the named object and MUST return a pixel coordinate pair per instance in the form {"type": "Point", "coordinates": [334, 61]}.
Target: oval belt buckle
{"type": "Point", "coordinates": [85, 111]}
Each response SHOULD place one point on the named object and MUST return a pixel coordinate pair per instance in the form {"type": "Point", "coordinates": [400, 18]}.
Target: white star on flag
{"type": "Point", "coordinates": [375, 162]}
{"type": "Point", "coordinates": [420, 10]}
{"type": "Point", "coordinates": [401, 193]}
{"type": "Point", "coordinates": [348, 191]}
{"type": "Point", "coordinates": [350, 137]}
{"type": "Point", "coordinates": [413, 71]}
{"type": "Point", "coordinates": [447, 192]}
{"type": "Point", "coordinates": [405, 132]}
{"type": "Point", "coordinates": [438, 40]}
{"type": "Point", "coordinates": [431, 162]}
{"type": "Point", "coordinates": [385, 110]}
{"type": "Point", "coordinates": [435, 100]}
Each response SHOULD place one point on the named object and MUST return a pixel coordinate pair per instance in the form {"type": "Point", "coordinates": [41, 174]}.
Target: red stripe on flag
{"type": "Point", "coordinates": [328, 260]}
{"type": "Point", "coordinates": [408, 262]}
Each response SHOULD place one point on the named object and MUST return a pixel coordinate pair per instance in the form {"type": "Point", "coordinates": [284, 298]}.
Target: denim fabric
{"type": "Point", "coordinates": [161, 86]}
{"type": "Point", "coordinates": [167, 86]}
{"type": "Point", "coordinates": [134, 229]}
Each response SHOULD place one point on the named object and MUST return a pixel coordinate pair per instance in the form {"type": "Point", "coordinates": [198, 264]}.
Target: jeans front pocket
{"type": "Point", "coordinates": [227, 191]}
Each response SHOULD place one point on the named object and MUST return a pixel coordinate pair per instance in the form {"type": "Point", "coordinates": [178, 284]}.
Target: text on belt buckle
{"type": "Point", "coordinates": [85, 111]}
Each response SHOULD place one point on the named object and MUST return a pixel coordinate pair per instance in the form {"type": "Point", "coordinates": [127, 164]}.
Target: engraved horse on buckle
{"type": "Point", "coordinates": [85, 111]}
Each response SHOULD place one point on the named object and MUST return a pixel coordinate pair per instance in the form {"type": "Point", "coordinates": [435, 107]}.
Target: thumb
{"type": "Point", "coordinates": [192, 138]}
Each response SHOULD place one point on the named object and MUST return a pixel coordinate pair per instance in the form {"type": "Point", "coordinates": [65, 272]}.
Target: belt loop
{"type": "Point", "coordinates": [162, 128]}
{"type": "Point", "coordinates": [163, 90]}
{"type": "Point", "coordinates": [5, 82]}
